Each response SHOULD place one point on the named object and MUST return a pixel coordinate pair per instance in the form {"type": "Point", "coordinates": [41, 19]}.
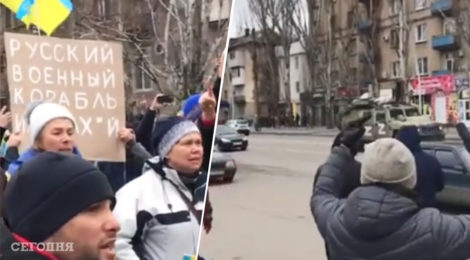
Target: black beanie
{"type": "Point", "coordinates": [49, 190]}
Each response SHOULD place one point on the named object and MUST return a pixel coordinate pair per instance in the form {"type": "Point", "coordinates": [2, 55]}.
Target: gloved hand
{"type": "Point", "coordinates": [352, 138]}
{"type": "Point", "coordinates": [359, 122]}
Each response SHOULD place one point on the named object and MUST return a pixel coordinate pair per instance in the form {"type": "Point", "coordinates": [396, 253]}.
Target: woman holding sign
{"type": "Point", "coordinates": [51, 128]}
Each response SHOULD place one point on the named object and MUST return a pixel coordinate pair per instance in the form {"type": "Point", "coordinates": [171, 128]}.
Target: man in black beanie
{"type": "Point", "coordinates": [58, 206]}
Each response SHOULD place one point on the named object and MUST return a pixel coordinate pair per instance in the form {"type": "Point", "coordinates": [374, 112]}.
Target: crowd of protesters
{"type": "Point", "coordinates": [56, 205]}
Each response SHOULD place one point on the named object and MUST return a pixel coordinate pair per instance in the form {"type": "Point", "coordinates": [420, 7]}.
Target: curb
{"type": "Point", "coordinates": [294, 134]}
{"type": "Point", "coordinates": [451, 139]}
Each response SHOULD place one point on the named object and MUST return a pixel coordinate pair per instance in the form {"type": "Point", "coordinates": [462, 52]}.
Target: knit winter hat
{"type": "Point", "coordinates": [388, 161]}
{"type": "Point", "coordinates": [39, 114]}
{"type": "Point", "coordinates": [168, 132]}
{"type": "Point", "coordinates": [49, 190]}
{"type": "Point", "coordinates": [191, 109]}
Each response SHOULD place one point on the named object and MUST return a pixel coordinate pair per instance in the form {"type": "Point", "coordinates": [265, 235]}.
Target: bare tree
{"type": "Point", "coordinates": [267, 13]}
{"type": "Point", "coordinates": [321, 48]}
{"type": "Point", "coordinates": [185, 57]}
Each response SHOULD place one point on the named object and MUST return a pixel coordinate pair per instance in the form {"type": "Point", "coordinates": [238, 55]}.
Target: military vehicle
{"type": "Point", "coordinates": [386, 118]}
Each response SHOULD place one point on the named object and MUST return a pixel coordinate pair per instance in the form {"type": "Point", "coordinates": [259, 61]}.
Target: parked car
{"type": "Point", "coordinates": [228, 139]}
{"type": "Point", "coordinates": [223, 167]}
{"type": "Point", "coordinates": [242, 126]}
{"type": "Point", "coordinates": [387, 118]}
{"type": "Point", "coordinates": [455, 163]}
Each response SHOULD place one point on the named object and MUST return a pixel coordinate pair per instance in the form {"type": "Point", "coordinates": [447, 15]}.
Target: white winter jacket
{"type": "Point", "coordinates": [156, 223]}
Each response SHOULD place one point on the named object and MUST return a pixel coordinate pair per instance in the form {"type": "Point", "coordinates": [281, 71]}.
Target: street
{"type": "Point", "coordinates": [265, 212]}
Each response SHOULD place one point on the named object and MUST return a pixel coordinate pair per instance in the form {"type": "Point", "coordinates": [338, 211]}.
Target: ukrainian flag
{"type": "Point", "coordinates": [45, 14]}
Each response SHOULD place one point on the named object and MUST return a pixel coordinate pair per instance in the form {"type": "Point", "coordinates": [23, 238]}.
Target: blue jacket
{"type": "Point", "coordinates": [429, 170]}
{"type": "Point", "coordinates": [26, 156]}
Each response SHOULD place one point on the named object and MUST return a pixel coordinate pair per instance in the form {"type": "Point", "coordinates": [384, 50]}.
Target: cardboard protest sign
{"type": "Point", "coordinates": [84, 76]}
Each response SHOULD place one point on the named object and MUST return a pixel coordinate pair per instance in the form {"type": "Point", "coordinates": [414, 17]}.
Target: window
{"type": "Point", "coordinates": [380, 117]}
{"type": "Point", "coordinates": [420, 4]}
{"type": "Point", "coordinates": [296, 62]}
{"type": "Point", "coordinates": [449, 26]}
{"type": "Point", "coordinates": [449, 63]}
{"type": "Point", "coordinates": [396, 72]}
{"type": "Point", "coordinates": [352, 47]}
{"type": "Point", "coordinates": [396, 113]}
{"type": "Point", "coordinates": [350, 19]}
{"type": "Point", "coordinates": [353, 75]}
{"type": "Point", "coordinates": [232, 55]}
{"type": "Point", "coordinates": [429, 151]}
{"type": "Point", "coordinates": [334, 22]}
{"type": "Point", "coordinates": [423, 66]}
{"type": "Point", "coordinates": [412, 112]}
{"type": "Point", "coordinates": [225, 94]}
{"type": "Point", "coordinates": [235, 72]}
{"type": "Point", "coordinates": [315, 4]}
{"type": "Point", "coordinates": [142, 82]}
{"type": "Point", "coordinates": [395, 7]}
{"type": "Point", "coordinates": [394, 38]}
{"type": "Point", "coordinates": [297, 87]}
{"type": "Point", "coordinates": [420, 33]}
{"type": "Point", "coordinates": [448, 160]}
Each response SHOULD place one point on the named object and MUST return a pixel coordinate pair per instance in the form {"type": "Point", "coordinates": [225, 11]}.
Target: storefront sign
{"type": "Point", "coordinates": [430, 84]}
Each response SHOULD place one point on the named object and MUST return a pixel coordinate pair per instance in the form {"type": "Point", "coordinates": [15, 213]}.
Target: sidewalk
{"type": "Point", "coordinates": [298, 131]}
{"type": "Point", "coordinates": [451, 133]}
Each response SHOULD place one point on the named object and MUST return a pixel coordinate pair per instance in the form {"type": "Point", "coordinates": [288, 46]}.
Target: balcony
{"type": "Point", "coordinates": [239, 98]}
{"type": "Point", "coordinates": [445, 42]}
{"type": "Point", "coordinates": [440, 72]}
{"type": "Point", "coordinates": [365, 25]}
{"type": "Point", "coordinates": [441, 7]}
{"type": "Point", "coordinates": [237, 81]}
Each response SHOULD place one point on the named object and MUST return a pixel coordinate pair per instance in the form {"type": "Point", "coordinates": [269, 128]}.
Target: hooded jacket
{"type": "Point", "coordinates": [156, 223]}
{"type": "Point", "coordinates": [428, 169]}
{"type": "Point", "coordinates": [377, 223]}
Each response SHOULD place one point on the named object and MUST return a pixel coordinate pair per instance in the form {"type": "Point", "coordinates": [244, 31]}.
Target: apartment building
{"type": "Point", "coordinates": [410, 50]}
{"type": "Point", "coordinates": [135, 17]}
{"type": "Point", "coordinates": [246, 62]}
{"type": "Point", "coordinates": [294, 78]}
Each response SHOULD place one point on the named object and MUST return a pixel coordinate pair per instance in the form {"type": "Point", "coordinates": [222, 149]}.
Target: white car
{"type": "Point", "coordinates": [240, 125]}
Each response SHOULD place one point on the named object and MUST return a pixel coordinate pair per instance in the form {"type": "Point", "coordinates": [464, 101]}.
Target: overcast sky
{"type": "Point", "coordinates": [242, 17]}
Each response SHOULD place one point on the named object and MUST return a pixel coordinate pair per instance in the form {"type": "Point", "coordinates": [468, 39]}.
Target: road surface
{"type": "Point", "coordinates": [265, 212]}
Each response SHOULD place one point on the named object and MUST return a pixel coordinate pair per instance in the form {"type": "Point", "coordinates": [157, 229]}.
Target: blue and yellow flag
{"type": "Point", "coordinates": [45, 14]}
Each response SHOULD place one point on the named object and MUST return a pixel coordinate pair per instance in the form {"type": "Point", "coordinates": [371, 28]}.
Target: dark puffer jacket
{"type": "Point", "coordinates": [429, 170]}
{"type": "Point", "coordinates": [377, 223]}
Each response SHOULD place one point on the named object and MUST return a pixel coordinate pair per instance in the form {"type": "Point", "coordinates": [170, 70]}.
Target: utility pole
{"type": "Point", "coordinates": [401, 47]}
{"type": "Point", "coordinates": [254, 57]}
{"type": "Point", "coordinates": [329, 44]}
